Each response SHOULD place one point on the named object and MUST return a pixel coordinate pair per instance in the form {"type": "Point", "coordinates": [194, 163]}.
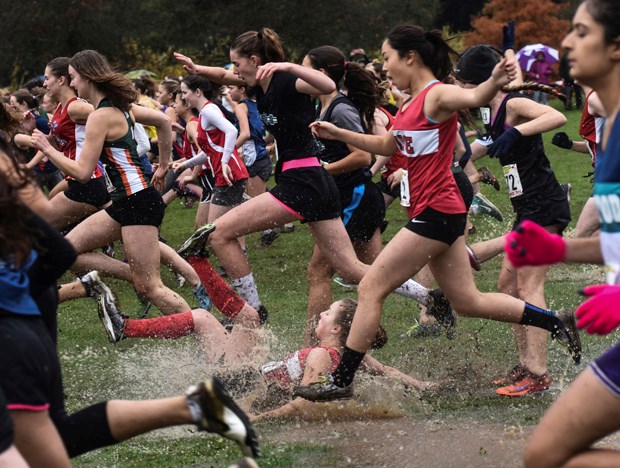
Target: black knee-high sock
{"type": "Point", "coordinates": [344, 373]}
{"type": "Point", "coordinates": [541, 318]}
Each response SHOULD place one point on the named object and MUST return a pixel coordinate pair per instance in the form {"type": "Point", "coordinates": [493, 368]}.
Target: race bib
{"type": "Point", "coordinates": [404, 188]}
{"type": "Point", "coordinates": [511, 174]}
{"type": "Point", "coordinates": [485, 114]}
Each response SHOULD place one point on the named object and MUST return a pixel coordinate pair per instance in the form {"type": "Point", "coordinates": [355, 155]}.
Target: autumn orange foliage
{"type": "Point", "coordinates": [536, 21]}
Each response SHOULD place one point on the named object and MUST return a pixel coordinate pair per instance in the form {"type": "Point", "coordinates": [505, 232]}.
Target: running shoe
{"type": "Point", "coordinates": [268, 236]}
{"type": "Point", "coordinates": [112, 320]}
{"type": "Point", "coordinates": [567, 189]}
{"type": "Point", "coordinates": [423, 330]}
{"type": "Point", "coordinates": [473, 260]}
{"type": "Point", "coordinates": [483, 206]}
{"type": "Point", "coordinates": [442, 311]}
{"type": "Point", "coordinates": [221, 415]}
{"type": "Point", "coordinates": [204, 301]}
{"type": "Point", "coordinates": [95, 287]}
{"type": "Point", "coordinates": [287, 228]}
{"type": "Point", "coordinates": [196, 242]}
{"type": "Point", "coordinates": [568, 336]}
{"type": "Point", "coordinates": [108, 250]}
{"type": "Point", "coordinates": [324, 389]}
{"type": "Point", "coordinates": [263, 314]}
{"type": "Point", "coordinates": [487, 177]}
{"type": "Point", "coordinates": [514, 375]}
{"type": "Point", "coordinates": [340, 282]}
{"type": "Point", "coordinates": [529, 384]}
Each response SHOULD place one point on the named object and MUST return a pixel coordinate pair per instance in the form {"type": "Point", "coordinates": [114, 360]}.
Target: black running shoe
{"type": "Point", "coordinates": [268, 236]}
{"type": "Point", "coordinates": [107, 308]}
{"type": "Point", "coordinates": [221, 415]}
{"type": "Point", "coordinates": [324, 390]}
{"type": "Point", "coordinates": [263, 314]}
{"type": "Point", "coordinates": [568, 336]}
{"type": "Point", "coordinates": [442, 311]}
{"type": "Point", "coordinates": [196, 242]}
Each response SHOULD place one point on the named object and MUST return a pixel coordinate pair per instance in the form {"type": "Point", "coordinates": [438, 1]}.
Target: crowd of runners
{"type": "Point", "coordinates": [91, 171]}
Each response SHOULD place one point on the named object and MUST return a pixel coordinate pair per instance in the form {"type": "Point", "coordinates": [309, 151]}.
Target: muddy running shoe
{"type": "Point", "coordinates": [196, 242]}
{"type": "Point", "coordinates": [473, 260]}
{"type": "Point", "coordinates": [112, 320]}
{"type": "Point", "coordinates": [268, 236]}
{"type": "Point", "coordinates": [200, 293]}
{"type": "Point", "coordinates": [108, 250]}
{"type": "Point", "coordinates": [263, 314]}
{"type": "Point", "coordinates": [287, 228]}
{"type": "Point", "coordinates": [340, 282]}
{"type": "Point", "coordinates": [487, 177]}
{"type": "Point", "coordinates": [423, 330]}
{"type": "Point", "coordinates": [220, 414]}
{"type": "Point", "coordinates": [483, 206]}
{"type": "Point", "coordinates": [514, 375]}
{"type": "Point", "coordinates": [324, 389]}
{"type": "Point", "coordinates": [180, 279]}
{"type": "Point", "coordinates": [568, 336]}
{"type": "Point", "coordinates": [442, 311]}
{"type": "Point", "coordinates": [529, 384]}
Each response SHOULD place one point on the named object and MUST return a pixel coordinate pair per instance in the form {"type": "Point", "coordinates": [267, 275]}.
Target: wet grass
{"type": "Point", "coordinates": [94, 370]}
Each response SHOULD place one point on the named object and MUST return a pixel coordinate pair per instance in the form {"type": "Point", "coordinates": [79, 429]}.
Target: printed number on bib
{"type": "Point", "coordinates": [404, 188]}
{"type": "Point", "coordinates": [511, 174]}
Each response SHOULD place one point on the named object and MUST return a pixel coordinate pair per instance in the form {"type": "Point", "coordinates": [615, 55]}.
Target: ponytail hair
{"type": "Point", "coordinates": [265, 43]}
{"type": "Point", "coordinates": [60, 68]}
{"type": "Point", "coordinates": [359, 83]}
{"type": "Point", "coordinates": [345, 319]}
{"type": "Point", "coordinates": [533, 86]}
{"type": "Point", "coordinates": [209, 89]}
{"type": "Point", "coordinates": [93, 66]}
{"type": "Point", "coordinates": [434, 51]}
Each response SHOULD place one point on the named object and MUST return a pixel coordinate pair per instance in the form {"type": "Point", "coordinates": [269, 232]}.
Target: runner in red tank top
{"type": "Point", "coordinates": [68, 129]}
{"type": "Point", "coordinates": [415, 60]}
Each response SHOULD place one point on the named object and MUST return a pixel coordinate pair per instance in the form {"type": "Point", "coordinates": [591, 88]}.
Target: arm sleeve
{"type": "Point", "coordinates": [211, 117]}
{"type": "Point", "coordinates": [200, 158]}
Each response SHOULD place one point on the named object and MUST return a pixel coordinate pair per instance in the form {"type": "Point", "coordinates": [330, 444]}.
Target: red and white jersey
{"type": "Point", "coordinates": [289, 371]}
{"type": "Point", "coordinates": [68, 135]}
{"type": "Point", "coordinates": [590, 128]}
{"type": "Point", "coordinates": [427, 149]}
{"type": "Point", "coordinates": [189, 150]}
{"type": "Point", "coordinates": [212, 143]}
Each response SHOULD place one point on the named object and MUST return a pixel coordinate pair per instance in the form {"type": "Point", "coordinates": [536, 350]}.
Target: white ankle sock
{"type": "Point", "coordinates": [414, 291]}
{"type": "Point", "coordinates": [246, 288]}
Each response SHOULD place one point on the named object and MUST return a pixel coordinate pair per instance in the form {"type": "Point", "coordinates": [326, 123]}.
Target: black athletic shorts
{"type": "Point", "coordinates": [310, 193]}
{"type": "Point", "coordinates": [363, 211]}
{"type": "Point", "coordinates": [145, 208]}
{"type": "Point", "coordinates": [6, 425]}
{"type": "Point", "coordinates": [94, 192]}
{"type": "Point", "coordinates": [439, 226]}
{"type": "Point", "coordinates": [207, 183]}
{"type": "Point", "coordinates": [229, 195]}
{"type": "Point", "coordinates": [384, 187]}
{"type": "Point", "coordinates": [29, 368]}
{"type": "Point", "coordinates": [465, 187]}
{"type": "Point", "coordinates": [261, 168]}
{"type": "Point", "coordinates": [545, 212]}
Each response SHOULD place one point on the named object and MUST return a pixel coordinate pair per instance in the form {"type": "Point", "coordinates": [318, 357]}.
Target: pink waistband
{"type": "Point", "coordinates": [312, 161]}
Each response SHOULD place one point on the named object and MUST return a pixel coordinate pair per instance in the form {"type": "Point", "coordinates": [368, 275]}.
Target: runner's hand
{"type": "Point", "coordinates": [227, 173]}
{"type": "Point", "coordinates": [325, 130]}
{"type": "Point", "coordinates": [600, 314]}
{"type": "Point", "coordinates": [188, 64]}
{"type": "Point", "coordinates": [159, 178]}
{"type": "Point", "coordinates": [531, 244]}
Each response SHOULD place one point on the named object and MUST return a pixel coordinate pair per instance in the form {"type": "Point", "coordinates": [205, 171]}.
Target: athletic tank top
{"type": "Point", "coordinates": [590, 128]}
{"type": "Point", "coordinates": [334, 150]}
{"type": "Point", "coordinates": [607, 198]}
{"type": "Point", "coordinates": [123, 165]}
{"type": "Point", "coordinates": [68, 135]}
{"type": "Point", "coordinates": [527, 170]}
{"type": "Point", "coordinates": [287, 114]}
{"type": "Point", "coordinates": [212, 143]}
{"type": "Point", "coordinates": [254, 149]}
{"type": "Point", "coordinates": [289, 371]}
{"type": "Point", "coordinates": [427, 149]}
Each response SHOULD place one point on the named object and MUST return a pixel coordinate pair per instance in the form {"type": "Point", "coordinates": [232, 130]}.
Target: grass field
{"type": "Point", "coordinates": [95, 370]}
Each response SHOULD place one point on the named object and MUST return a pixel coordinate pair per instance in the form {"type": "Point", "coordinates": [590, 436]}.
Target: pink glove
{"type": "Point", "coordinates": [530, 244]}
{"type": "Point", "coordinates": [600, 314]}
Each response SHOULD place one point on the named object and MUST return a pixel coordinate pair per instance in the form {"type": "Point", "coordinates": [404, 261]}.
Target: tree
{"type": "Point", "coordinates": [537, 21]}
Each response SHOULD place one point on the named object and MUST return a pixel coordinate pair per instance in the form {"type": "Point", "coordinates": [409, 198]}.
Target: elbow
{"type": "Point", "coordinates": [83, 178]}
